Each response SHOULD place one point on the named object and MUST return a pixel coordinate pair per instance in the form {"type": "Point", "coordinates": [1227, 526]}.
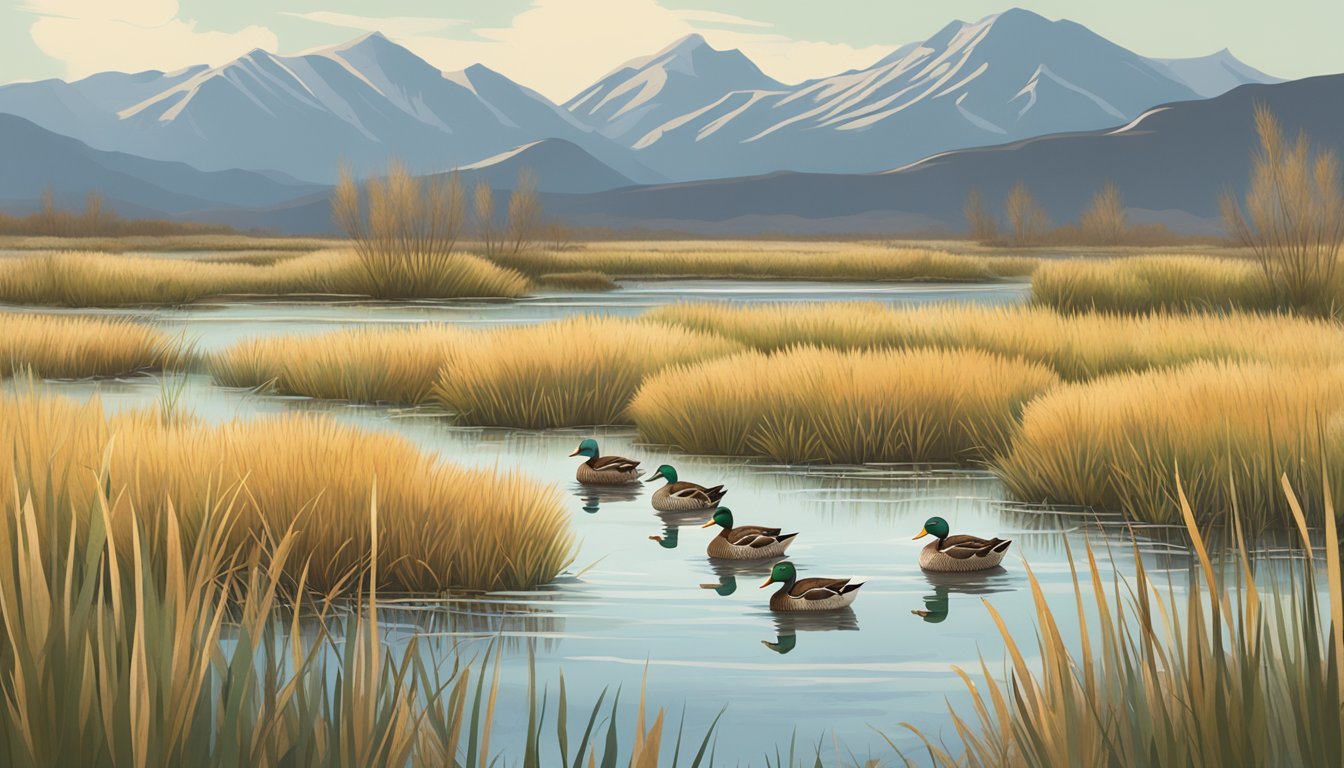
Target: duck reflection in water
{"type": "Point", "coordinates": [728, 572]}
{"type": "Point", "coordinates": [673, 522]}
{"type": "Point", "coordinates": [986, 582]}
{"type": "Point", "coordinates": [593, 497]}
{"type": "Point", "coordinates": [788, 625]}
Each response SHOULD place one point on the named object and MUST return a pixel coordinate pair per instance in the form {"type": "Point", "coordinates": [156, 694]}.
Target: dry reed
{"type": "Point", "coordinates": [1231, 429]}
{"type": "Point", "coordinates": [808, 404]}
{"type": "Point", "coordinates": [441, 525]}
{"type": "Point", "coordinates": [579, 371]}
{"type": "Point", "coordinates": [58, 347]}
{"type": "Point", "coordinates": [1157, 283]}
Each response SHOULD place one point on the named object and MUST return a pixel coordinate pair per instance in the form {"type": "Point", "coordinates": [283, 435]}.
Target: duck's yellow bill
{"type": "Point", "coordinates": [922, 533]}
{"type": "Point", "coordinates": [706, 525]}
{"type": "Point", "coordinates": [767, 583]}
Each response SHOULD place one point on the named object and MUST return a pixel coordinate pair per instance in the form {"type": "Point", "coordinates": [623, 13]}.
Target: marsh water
{"type": "Point", "coordinates": [702, 629]}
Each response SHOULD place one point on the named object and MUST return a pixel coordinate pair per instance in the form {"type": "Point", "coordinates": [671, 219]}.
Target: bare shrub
{"type": "Point", "coordinates": [1105, 221]}
{"type": "Point", "coordinates": [984, 228]}
{"type": "Point", "coordinates": [1027, 221]}
{"type": "Point", "coordinates": [1293, 215]}
{"type": "Point", "coordinates": [524, 227]}
{"type": "Point", "coordinates": [406, 232]}
{"type": "Point", "coordinates": [483, 206]}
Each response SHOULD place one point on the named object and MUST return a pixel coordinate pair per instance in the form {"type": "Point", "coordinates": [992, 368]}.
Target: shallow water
{"type": "Point", "coordinates": [702, 628]}
{"type": "Point", "coordinates": [215, 324]}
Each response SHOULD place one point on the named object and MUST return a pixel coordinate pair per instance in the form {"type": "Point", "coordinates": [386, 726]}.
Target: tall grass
{"type": "Point", "coordinates": [160, 647]}
{"type": "Point", "coordinates": [1244, 677]}
{"type": "Point", "coordinates": [809, 404]}
{"type": "Point", "coordinates": [819, 261]}
{"type": "Point", "coordinates": [152, 243]}
{"type": "Point", "coordinates": [579, 371]}
{"type": "Point", "coordinates": [443, 526]}
{"type": "Point", "coordinates": [103, 280]}
{"type": "Point", "coordinates": [1293, 218]}
{"type": "Point", "coordinates": [1148, 284]}
{"type": "Point", "coordinates": [1075, 346]}
{"type": "Point", "coordinates": [378, 365]}
{"type": "Point", "coordinates": [56, 347]}
{"type": "Point", "coordinates": [1231, 429]}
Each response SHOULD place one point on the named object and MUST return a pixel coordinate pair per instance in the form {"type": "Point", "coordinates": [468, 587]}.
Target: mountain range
{"type": "Point", "coordinates": [687, 112]}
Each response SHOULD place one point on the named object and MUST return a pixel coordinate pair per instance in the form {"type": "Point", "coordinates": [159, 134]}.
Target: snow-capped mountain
{"type": "Point", "coordinates": [646, 93]}
{"type": "Point", "coordinates": [1008, 76]}
{"type": "Point", "coordinates": [1215, 74]}
{"type": "Point", "coordinates": [362, 103]}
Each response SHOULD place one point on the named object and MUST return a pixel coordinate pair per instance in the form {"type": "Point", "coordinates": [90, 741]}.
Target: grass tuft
{"type": "Point", "coordinates": [58, 347]}
{"type": "Point", "coordinates": [808, 404]}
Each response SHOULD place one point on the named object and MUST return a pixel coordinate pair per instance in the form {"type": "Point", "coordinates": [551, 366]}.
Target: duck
{"type": "Point", "coordinates": [604, 470]}
{"type": "Point", "coordinates": [813, 594]}
{"type": "Point", "coordinates": [681, 496]}
{"type": "Point", "coordinates": [745, 542]}
{"type": "Point", "coordinates": [958, 553]}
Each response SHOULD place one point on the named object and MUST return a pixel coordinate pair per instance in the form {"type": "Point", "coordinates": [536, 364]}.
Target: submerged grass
{"type": "Point", "coordinates": [809, 404]}
{"type": "Point", "coordinates": [443, 526]}
{"type": "Point", "coordinates": [579, 371]}
{"type": "Point", "coordinates": [101, 280]}
{"type": "Point", "coordinates": [368, 365]}
{"type": "Point", "coordinates": [1231, 429]}
{"type": "Point", "coordinates": [57, 347]}
{"type": "Point", "coordinates": [798, 261]}
{"type": "Point", "coordinates": [1076, 346]}
{"type": "Point", "coordinates": [1244, 678]}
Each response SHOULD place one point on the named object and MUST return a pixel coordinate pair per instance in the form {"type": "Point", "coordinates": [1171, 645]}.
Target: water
{"type": "Point", "coordinates": [703, 629]}
{"type": "Point", "coordinates": [215, 324]}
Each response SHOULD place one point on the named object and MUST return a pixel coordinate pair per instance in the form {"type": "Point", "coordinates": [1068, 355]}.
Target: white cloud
{"type": "Point", "coordinates": [91, 36]}
{"type": "Point", "coordinates": [559, 47]}
{"type": "Point", "coordinates": [392, 26]}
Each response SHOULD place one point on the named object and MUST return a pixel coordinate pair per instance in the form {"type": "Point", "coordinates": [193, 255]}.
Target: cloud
{"type": "Point", "coordinates": [90, 36]}
{"type": "Point", "coordinates": [559, 47]}
{"type": "Point", "coordinates": [392, 26]}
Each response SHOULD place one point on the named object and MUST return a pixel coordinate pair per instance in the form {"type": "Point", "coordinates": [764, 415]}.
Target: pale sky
{"type": "Point", "coordinates": [560, 46]}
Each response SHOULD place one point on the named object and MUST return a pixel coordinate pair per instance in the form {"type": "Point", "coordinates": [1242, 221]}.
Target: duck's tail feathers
{"type": "Point", "coordinates": [783, 537]}
{"type": "Point", "coordinates": [850, 587]}
{"type": "Point", "coordinates": [1002, 546]}
{"type": "Point", "coordinates": [716, 493]}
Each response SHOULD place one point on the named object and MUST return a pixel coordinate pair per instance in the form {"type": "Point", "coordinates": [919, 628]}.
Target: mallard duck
{"type": "Point", "coordinates": [604, 470]}
{"type": "Point", "coordinates": [958, 553]}
{"type": "Point", "coordinates": [809, 594]}
{"type": "Point", "coordinates": [746, 542]}
{"type": "Point", "coordinates": [680, 496]}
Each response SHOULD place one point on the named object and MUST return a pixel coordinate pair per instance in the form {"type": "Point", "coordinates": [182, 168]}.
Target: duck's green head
{"type": "Point", "coordinates": [782, 573]}
{"type": "Point", "coordinates": [723, 516]}
{"type": "Point", "coordinates": [935, 526]}
{"type": "Point", "coordinates": [588, 447]}
{"type": "Point", "coordinates": [666, 472]}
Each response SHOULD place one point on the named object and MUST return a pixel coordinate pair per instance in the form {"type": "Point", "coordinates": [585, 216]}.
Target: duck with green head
{"type": "Point", "coordinates": [813, 594]}
{"type": "Point", "coordinates": [681, 496]}
{"type": "Point", "coordinates": [958, 553]}
{"type": "Point", "coordinates": [745, 542]}
{"type": "Point", "coordinates": [604, 470]}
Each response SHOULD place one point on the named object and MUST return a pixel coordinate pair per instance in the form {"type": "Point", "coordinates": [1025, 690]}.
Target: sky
{"type": "Point", "coordinates": [560, 46]}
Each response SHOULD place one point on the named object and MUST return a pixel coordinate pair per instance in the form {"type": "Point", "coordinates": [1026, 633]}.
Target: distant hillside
{"type": "Point", "coordinates": [33, 159]}
{"type": "Point", "coordinates": [559, 166]}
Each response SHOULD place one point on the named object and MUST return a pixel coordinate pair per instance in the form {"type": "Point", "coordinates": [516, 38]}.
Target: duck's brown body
{"type": "Point", "coordinates": [608, 470]}
{"type": "Point", "coordinates": [815, 595]}
{"type": "Point", "coordinates": [963, 553]}
{"type": "Point", "coordinates": [687, 497]}
{"type": "Point", "coordinates": [749, 542]}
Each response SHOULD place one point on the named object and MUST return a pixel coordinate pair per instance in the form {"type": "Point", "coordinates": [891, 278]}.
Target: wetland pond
{"type": "Point", "coordinates": [703, 629]}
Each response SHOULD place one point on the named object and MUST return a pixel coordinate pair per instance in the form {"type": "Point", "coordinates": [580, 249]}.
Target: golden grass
{"type": "Point", "coordinates": [198, 242]}
{"type": "Point", "coordinates": [799, 261]}
{"type": "Point", "coordinates": [1232, 430]}
{"type": "Point", "coordinates": [1227, 674]}
{"type": "Point", "coordinates": [440, 525]}
{"type": "Point", "coordinates": [94, 279]}
{"type": "Point", "coordinates": [1158, 283]}
{"type": "Point", "coordinates": [1076, 346]}
{"type": "Point", "coordinates": [579, 371]}
{"type": "Point", "coordinates": [379, 365]}
{"type": "Point", "coordinates": [817, 405]}
{"type": "Point", "coordinates": [57, 347]}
